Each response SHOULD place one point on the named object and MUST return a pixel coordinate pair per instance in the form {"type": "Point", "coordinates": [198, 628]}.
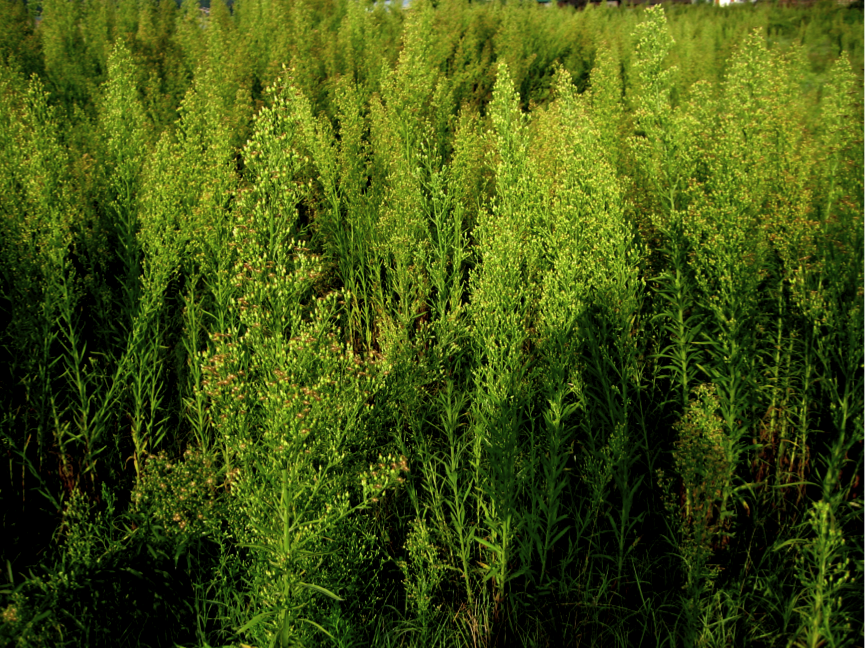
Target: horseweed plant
{"type": "Point", "coordinates": [452, 324]}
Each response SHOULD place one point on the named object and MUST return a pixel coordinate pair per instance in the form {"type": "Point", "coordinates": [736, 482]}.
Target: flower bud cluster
{"type": "Point", "coordinates": [184, 497]}
{"type": "Point", "coordinates": [387, 473]}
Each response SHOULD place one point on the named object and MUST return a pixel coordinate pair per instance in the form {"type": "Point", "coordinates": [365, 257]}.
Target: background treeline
{"type": "Point", "coordinates": [326, 322]}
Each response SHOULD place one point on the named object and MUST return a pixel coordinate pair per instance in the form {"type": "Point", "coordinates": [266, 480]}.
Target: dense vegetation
{"type": "Point", "coordinates": [329, 322]}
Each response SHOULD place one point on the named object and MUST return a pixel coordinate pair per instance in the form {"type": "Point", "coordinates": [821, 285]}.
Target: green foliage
{"type": "Point", "coordinates": [19, 43]}
{"type": "Point", "coordinates": [457, 323]}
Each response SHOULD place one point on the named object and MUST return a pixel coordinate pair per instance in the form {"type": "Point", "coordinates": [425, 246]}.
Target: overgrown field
{"type": "Point", "coordinates": [324, 322]}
